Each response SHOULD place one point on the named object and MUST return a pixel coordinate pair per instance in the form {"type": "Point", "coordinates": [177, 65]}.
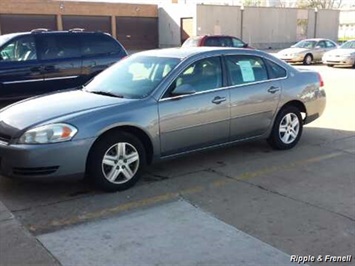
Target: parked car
{"type": "Point", "coordinates": [42, 61]}
{"type": "Point", "coordinates": [154, 105]}
{"type": "Point", "coordinates": [345, 55]}
{"type": "Point", "coordinates": [307, 51]}
{"type": "Point", "coordinates": [215, 40]}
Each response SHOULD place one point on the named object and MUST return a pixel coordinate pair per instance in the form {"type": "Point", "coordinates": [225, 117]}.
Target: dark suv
{"type": "Point", "coordinates": [215, 40]}
{"type": "Point", "coordinates": [42, 61]}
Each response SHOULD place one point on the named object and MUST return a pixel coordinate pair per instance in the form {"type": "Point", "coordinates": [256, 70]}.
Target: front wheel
{"type": "Point", "coordinates": [115, 161]}
{"type": "Point", "coordinates": [287, 129]}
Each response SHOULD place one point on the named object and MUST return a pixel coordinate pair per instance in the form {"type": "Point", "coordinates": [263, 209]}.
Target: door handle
{"type": "Point", "coordinates": [273, 89]}
{"type": "Point", "coordinates": [218, 100]}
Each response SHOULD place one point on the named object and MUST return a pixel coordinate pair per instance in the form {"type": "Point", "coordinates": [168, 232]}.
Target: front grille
{"type": "Point", "coordinates": [35, 171]}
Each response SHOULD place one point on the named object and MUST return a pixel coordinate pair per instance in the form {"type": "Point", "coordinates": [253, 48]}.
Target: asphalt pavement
{"type": "Point", "coordinates": [242, 205]}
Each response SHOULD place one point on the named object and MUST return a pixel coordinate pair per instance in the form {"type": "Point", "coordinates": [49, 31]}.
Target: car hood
{"type": "Point", "coordinates": [293, 50]}
{"type": "Point", "coordinates": [340, 52]}
{"type": "Point", "coordinates": [38, 110]}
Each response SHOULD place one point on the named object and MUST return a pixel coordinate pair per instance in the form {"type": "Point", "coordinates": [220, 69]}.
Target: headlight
{"type": "Point", "coordinates": [48, 134]}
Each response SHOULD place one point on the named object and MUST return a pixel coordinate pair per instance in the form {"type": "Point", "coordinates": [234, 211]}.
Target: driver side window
{"type": "Point", "coordinates": [21, 49]}
{"type": "Point", "coordinates": [203, 75]}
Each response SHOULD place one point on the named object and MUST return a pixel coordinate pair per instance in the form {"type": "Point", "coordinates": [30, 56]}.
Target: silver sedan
{"type": "Point", "coordinates": [307, 51]}
{"type": "Point", "coordinates": [154, 105]}
{"type": "Point", "coordinates": [345, 55]}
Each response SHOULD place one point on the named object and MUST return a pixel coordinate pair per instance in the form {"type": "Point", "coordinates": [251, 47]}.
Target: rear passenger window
{"type": "Point", "coordinates": [246, 69]}
{"type": "Point", "coordinates": [59, 46]}
{"type": "Point", "coordinates": [99, 44]}
{"type": "Point", "coordinates": [276, 71]}
{"type": "Point", "coordinates": [212, 41]}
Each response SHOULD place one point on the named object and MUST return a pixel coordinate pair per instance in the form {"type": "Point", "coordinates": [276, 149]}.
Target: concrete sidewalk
{"type": "Point", "coordinates": [175, 233]}
{"type": "Point", "coordinates": [18, 246]}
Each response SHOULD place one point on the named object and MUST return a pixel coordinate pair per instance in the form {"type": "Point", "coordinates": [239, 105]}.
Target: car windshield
{"type": "Point", "coordinates": [348, 45]}
{"type": "Point", "coordinates": [305, 44]}
{"type": "Point", "coordinates": [133, 77]}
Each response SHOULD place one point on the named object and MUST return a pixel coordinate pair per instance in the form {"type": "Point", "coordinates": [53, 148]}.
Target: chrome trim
{"type": "Point", "coordinates": [22, 81]}
{"type": "Point", "coordinates": [69, 77]}
{"type": "Point", "coordinates": [36, 80]}
{"type": "Point", "coordinates": [196, 93]}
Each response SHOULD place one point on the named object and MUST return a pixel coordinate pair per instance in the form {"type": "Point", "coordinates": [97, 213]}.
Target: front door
{"type": "Point", "coordinates": [20, 75]}
{"type": "Point", "coordinates": [194, 113]}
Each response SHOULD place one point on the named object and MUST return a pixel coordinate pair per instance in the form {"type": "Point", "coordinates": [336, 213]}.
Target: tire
{"type": "Point", "coordinates": [115, 161]}
{"type": "Point", "coordinates": [330, 65]}
{"type": "Point", "coordinates": [308, 59]}
{"type": "Point", "coordinates": [287, 129]}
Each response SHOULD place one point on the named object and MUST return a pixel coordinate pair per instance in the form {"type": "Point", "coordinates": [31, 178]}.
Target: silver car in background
{"type": "Point", "coordinates": [345, 55]}
{"type": "Point", "coordinates": [307, 51]}
{"type": "Point", "coordinates": [155, 105]}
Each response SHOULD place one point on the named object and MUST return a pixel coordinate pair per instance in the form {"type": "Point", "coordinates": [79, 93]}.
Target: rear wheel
{"type": "Point", "coordinates": [115, 161]}
{"type": "Point", "coordinates": [308, 59]}
{"type": "Point", "coordinates": [287, 129]}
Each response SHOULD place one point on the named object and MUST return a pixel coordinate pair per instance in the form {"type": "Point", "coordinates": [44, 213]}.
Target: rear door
{"type": "Point", "coordinates": [20, 75]}
{"type": "Point", "coordinates": [60, 60]}
{"type": "Point", "coordinates": [254, 96]}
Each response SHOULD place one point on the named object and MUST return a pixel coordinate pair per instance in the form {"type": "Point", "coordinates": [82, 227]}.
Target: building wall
{"type": "Point", "coordinates": [347, 24]}
{"type": "Point", "coordinates": [213, 19]}
{"type": "Point", "coordinates": [170, 23]}
{"type": "Point", "coordinates": [327, 24]}
{"type": "Point", "coordinates": [270, 27]}
{"type": "Point", "coordinates": [261, 27]}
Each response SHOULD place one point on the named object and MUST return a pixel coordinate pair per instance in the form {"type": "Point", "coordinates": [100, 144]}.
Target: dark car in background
{"type": "Point", "coordinates": [42, 61]}
{"type": "Point", "coordinates": [215, 40]}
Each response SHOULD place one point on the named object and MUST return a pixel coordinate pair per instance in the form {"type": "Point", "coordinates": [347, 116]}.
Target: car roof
{"type": "Point", "coordinates": [183, 52]}
{"type": "Point", "coordinates": [15, 34]}
{"type": "Point", "coordinates": [209, 35]}
{"type": "Point", "coordinates": [316, 39]}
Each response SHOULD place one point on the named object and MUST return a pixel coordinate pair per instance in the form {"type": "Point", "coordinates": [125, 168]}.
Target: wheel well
{"type": "Point", "coordinates": [299, 105]}
{"type": "Point", "coordinates": [309, 54]}
{"type": "Point", "coordinates": [140, 134]}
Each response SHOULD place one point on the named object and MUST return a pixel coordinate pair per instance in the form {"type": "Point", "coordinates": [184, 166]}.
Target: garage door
{"type": "Point", "coordinates": [137, 33]}
{"type": "Point", "coordinates": [89, 23]}
{"type": "Point", "coordinates": [19, 23]}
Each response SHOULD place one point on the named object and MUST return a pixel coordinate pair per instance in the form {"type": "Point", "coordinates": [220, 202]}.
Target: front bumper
{"type": "Point", "coordinates": [348, 61]}
{"type": "Point", "coordinates": [44, 160]}
{"type": "Point", "coordinates": [291, 59]}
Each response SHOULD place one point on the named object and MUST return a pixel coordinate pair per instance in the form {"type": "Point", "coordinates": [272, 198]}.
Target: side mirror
{"type": "Point", "coordinates": [294, 45]}
{"type": "Point", "coordinates": [183, 90]}
{"type": "Point", "coordinates": [245, 45]}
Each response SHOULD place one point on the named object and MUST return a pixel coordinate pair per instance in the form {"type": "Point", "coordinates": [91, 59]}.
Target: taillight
{"type": "Point", "coordinates": [321, 82]}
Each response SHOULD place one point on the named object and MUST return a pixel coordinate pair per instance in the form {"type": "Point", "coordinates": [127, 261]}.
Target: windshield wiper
{"type": "Point", "coordinates": [107, 93]}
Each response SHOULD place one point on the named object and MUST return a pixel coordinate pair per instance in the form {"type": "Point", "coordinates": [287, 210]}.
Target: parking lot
{"type": "Point", "coordinates": [298, 202]}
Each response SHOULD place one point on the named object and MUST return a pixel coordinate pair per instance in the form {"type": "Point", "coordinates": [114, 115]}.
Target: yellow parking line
{"type": "Point", "coordinates": [173, 195]}
{"type": "Point", "coordinates": [249, 175]}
